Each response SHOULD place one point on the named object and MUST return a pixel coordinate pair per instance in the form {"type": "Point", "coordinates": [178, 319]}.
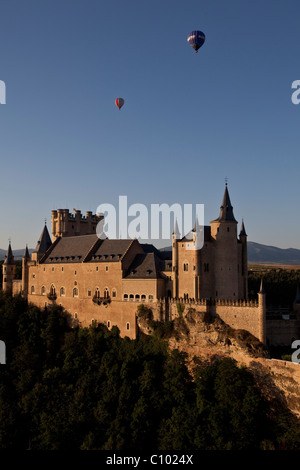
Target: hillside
{"type": "Point", "coordinates": [266, 254]}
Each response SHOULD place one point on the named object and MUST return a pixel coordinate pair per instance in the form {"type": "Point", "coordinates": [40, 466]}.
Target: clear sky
{"type": "Point", "coordinates": [189, 120]}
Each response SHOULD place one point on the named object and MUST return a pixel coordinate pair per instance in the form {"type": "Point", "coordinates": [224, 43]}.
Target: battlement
{"type": "Point", "coordinates": [67, 224]}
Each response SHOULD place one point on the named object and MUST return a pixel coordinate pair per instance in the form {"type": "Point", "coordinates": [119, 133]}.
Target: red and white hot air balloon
{"type": "Point", "coordinates": [119, 102]}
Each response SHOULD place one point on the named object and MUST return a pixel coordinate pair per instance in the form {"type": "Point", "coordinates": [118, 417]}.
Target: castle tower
{"type": "Point", "coordinates": [244, 263]}
{"type": "Point", "coordinates": [25, 261]}
{"type": "Point", "coordinates": [225, 251]}
{"type": "Point", "coordinates": [262, 308]}
{"type": "Point", "coordinates": [175, 238]}
{"type": "Point", "coordinates": [42, 246]}
{"type": "Point", "coordinates": [8, 270]}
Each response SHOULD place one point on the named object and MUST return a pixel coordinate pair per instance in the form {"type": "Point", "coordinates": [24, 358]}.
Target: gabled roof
{"type": "Point", "coordinates": [71, 249]}
{"type": "Point", "coordinates": [111, 250]}
{"type": "Point", "coordinates": [44, 241]}
{"type": "Point", "coordinates": [145, 266]}
{"type": "Point", "coordinates": [9, 257]}
{"type": "Point", "coordinates": [226, 209]}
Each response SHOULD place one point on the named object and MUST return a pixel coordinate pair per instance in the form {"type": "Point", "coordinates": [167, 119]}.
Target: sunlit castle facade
{"type": "Point", "coordinates": [104, 280]}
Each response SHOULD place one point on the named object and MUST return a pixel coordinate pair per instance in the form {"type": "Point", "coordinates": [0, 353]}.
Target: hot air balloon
{"type": "Point", "coordinates": [196, 39]}
{"type": "Point", "coordinates": [119, 102]}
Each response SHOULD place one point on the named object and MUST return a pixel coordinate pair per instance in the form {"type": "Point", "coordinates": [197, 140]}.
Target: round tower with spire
{"type": "Point", "coordinates": [8, 270]}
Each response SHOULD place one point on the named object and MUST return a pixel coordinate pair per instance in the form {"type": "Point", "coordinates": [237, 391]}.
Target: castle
{"type": "Point", "coordinates": [104, 280]}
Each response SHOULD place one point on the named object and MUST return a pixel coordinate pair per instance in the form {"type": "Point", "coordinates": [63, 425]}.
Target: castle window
{"type": "Point", "coordinates": [227, 229]}
{"type": "Point", "coordinates": [43, 290]}
{"type": "Point", "coordinates": [62, 292]}
{"type": "Point", "coordinates": [62, 268]}
{"type": "Point", "coordinates": [89, 293]}
{"type": "Point", "coordinates": [75, 283]}
{"type": "Point", "coordinates": [44, 269]}
{"type": "Point", "coordinates": [137, 297]}
{"type": "Point", "coordinates": [97, 293]}
{"type": "Point", "coordinates": [33, 276]}
{"type": "Point", "coordinates": [143, 298]}
{"type": "Point", "coordinates": [75, 315]}
{"type": "Point", "coordinates": [4, 279]}
{"type": "Point", "coordinates": [106, 268]}
{"type": "Point", "coordinates": [185, 267]}
{"type": "Point", "coordinates": [75, 292]}
{"type": "Point", "coordinates": [127, 326]}
{"type": "Point", "coordinates": [131, 297]}
{"type": "Point", "coordinates": [125, 297]}
{"type": "Point", "coordinates": [114, 293]}
{"type": "Point", "coordinates": [108, 324]}
{"type": "Point", "coordinates": [106, 293]}
{"type": "Point", "coordinates": [75, 272]}
{"type": "Point", "coordinates": [218, 229]}
{"type": "Point", "coordinates": [52, 269]}
{"type": "Point", "coordinates": [32, 289]}
{"type": "Point", "coordinates": [52, 290]}
{"type": "Point", "coordinates": [5, 269]}
{"type": "Point", "coordinates": [150, 298]}
{"type": "Point", "coordinates": [206, 267]}
{"type": "Point", "coordinates": [97, 268]}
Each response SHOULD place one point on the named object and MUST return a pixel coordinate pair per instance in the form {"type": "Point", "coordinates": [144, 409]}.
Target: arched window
{"type": "Point", "coordinates": [43, 290]}
{"type": "Point", "coordinates": [75, 292]}
{"type": "Point", "coordinates": [150, 298]}
{"type": "Point", "coordinates": [97, 293]}
{"type": "Point", "coordinates": [137, 297]}
{"type": "Point", "coordinates": [52, 290]}
{"type": "Point", "coordinates": [114, 293]}
{"type": "Point", "coordinates": [4, 280]}
{"type": "Point", "coordinates": [143, 298]}
{"type": "Point", "coordinates": [62, 292]}
{"type": "Point", "coordinates": [185, 267]}
{"type": "Point", "coordinates": [131, 297]}
{"type": "Point", "coordinates": [32, 289]}
{"type": "Point", "coordinates": [106, 293]}
{"type": "Point", "coordinates": [125, 297]}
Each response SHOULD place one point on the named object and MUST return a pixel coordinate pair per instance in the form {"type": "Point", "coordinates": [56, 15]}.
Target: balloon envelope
{"type": "Point", "coordinates": [119, 102]}
{"type": "Point", "coordinates": [196, 39]}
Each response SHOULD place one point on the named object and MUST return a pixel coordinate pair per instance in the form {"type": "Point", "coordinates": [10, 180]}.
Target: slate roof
{"type": "Point", "coordinates": [110, 250]}
{"type": "Point", "coordinates": [145, 266]}
{"type": "Point", "coordinates": [71, 249]}
{"type": "Point", "coordinates": [9, 257]}
{"type": "Point", "coordinates": [226, 209]}
{"type": "Point", "coordinates": [44, 241]}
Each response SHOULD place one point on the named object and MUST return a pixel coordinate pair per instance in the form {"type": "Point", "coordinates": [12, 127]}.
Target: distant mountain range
{"type": "Point", "coordinates": [257, 254]}
{"type": "Point", "coordinates": [265, 254]}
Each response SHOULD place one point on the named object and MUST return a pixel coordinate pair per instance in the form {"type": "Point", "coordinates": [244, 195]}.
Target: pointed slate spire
{"type": "Point", "coordinates": [176, 230]}
{"type": "Point", "coordinates": [44, 241]}
{"type": "Point", "coordinates": [243, 231]}
{"type": "Point", "coordinates": [226, 209]}
{"type": "Point", "coordinates": [262, 289]}
{"type": "Point", "coordinates": [26, 253]}
{"type": "Point", "coordinates": [9, 257]}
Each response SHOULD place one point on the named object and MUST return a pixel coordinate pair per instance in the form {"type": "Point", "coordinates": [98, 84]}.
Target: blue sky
{"type": "Point", "coordinates": [189, 120]}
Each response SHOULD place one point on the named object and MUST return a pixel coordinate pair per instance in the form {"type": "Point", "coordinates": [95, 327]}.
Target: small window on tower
{"type": "Point", "coordinates": [227, 229]}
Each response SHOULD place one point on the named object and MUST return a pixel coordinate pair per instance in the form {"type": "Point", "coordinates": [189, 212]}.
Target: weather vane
{"type": "Point", "coordinates": [226, 180]}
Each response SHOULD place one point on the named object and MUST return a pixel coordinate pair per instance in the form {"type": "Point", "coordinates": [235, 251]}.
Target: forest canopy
{"type": "Point", "coordinates": [64, 387]}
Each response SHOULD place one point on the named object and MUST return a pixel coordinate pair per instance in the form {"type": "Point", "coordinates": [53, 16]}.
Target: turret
{"type": "Point", "coordinates": [262, 308]}
{"type": "Point", "coordinates": [8, 270]}
{"type": "Point", "coordinates": [244, 260]}
{"type": "Point", "coordinates": [42, 246]}
{"type": "Point", "coordinates": [25, 260]}
{"type": "Point", "coordinates": [175, 238]}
